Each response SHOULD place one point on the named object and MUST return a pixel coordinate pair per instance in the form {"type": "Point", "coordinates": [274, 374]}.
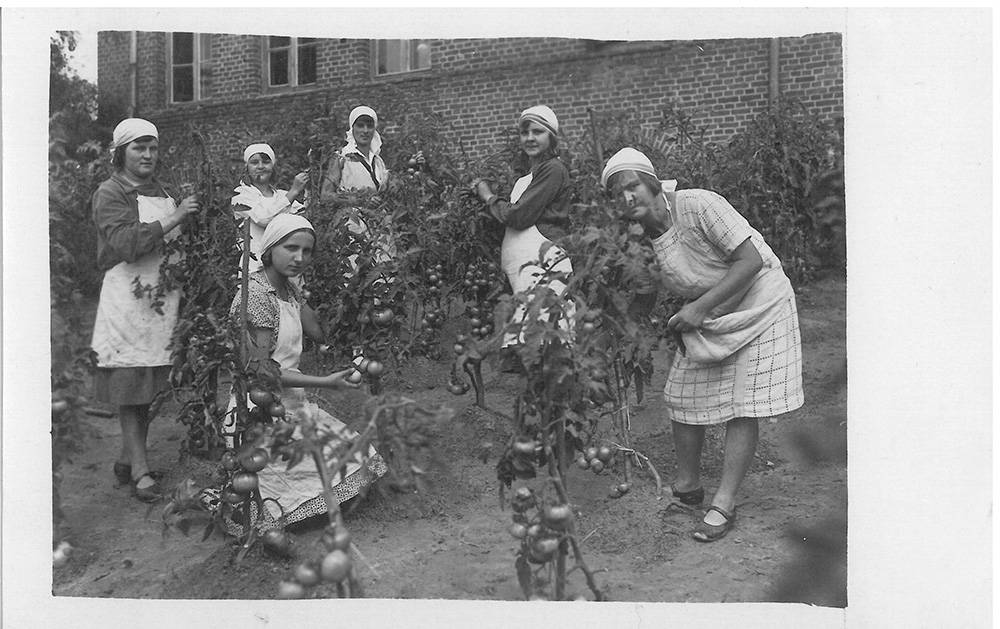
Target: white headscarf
{"type": "Point", "coordinates": [543, 116]}
{"type": "Point", "coordinates": [352, 145]}
{"type": "Point", "coordinates": [132, 129]}
{"type": "Point", "coordinates": [253, 149]}
{"type": "Point", "coordinates": [280, 226]}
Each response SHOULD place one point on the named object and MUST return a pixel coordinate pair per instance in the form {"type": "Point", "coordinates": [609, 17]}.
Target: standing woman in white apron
{"type": "Point", "coordinates": [536, 214]}
{"type": "Point", "coordinates": [134, 217]}
{"type": "Point", "coordinates": [359, 167]}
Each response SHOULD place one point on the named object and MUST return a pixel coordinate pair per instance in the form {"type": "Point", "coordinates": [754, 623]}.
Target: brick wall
{"type": "Point", "coordinates": [478, 86]}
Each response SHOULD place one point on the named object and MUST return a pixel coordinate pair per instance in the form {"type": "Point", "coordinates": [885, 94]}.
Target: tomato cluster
{"type": "Point", "coordinates": [332, 564]}
{"type": "Point", "coordinates": [596, 459]}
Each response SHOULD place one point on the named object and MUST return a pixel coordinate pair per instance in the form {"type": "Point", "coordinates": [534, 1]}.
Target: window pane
{"type": "Point", "coordinates": [391, 61]}
{"type": "Point", "coordinates": [279, 67]}
{"type": "Point", "coordinates": [423, 54]}
{"type": "Point", "coordinates": [279, 42]}
{"type": "Point", "coordinates": [183, 84]}
{"type": "Point", "coordinates": [183, 48]}
{"type": "Point", "coordinates": [307, 64]}
{"type": "Point", "coordinates": [380, 48]}
{"type": "Point", "coordinates": [205, 46]}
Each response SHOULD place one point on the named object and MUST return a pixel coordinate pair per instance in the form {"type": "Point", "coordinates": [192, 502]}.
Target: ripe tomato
{"type": "Point", "coordinates": [624, 488]}
{"type": "Point", "coordinates": [518, 530]}
{"type": "Point", "coordinates": [383, 317]}
{"type": "Point", "coordinates": [590, 453]}
{"type": "Point", "coordinates": [596, 466]}
{"type": "Point", "coordinates": [230, 496]}
{"type": "Point", "coordinates": [534, 531]}
{"type": "Point", "coordinates": [475, 322]}
{"type": "Point", "coordinates": [604, 454]}
{"type": "Point", "coordinates": [245, 482]}
{"type": "Point", "coordinates": [433, 278]}
{"type": "Point", "coordinates": [459, 348]}
{"type": "Point", "coordinates": [229, 461]}
{"type": "Point", "coordinates": [581, 462]}
{"type": "Point", "coordinates": [355, 377]}
{"type": "Point", "coordinates": [260, 397]}
{"type": "Point", "coordinates": [336, 566]}
{"type": "Point", "coordinates": [456, 389]}
{"type": "Point", "coordinates": [255, 460]}
{"type": "Point", "coordinates": [336, 538]}
{"type": "Point", "coordinates": [545, 547]}
{"type": "Point", "coordinates": [276, 409]}
{"type": "Point", "coordinates": [290, 590]}
{"type": "Point", "coordinates": [375, 368]}
{"type": "Point", "coordinates": [306, 574]}
{"type": "Point", "coordinates": [277, 541]}
{"type": "Point", "coordinates": [557, 517]}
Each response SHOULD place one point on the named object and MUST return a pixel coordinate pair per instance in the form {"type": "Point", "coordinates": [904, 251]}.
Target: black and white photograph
{"type": "Point", "coordinates": [441, 317]}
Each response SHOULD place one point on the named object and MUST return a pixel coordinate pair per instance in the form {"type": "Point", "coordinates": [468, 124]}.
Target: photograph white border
{"type": "Point", "coordinates": [919, 101]}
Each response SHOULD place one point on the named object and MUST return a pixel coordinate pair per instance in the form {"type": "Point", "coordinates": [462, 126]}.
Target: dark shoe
{"type": "Point", "coordinates": [692, 498]}
{"type": "Point", "coordinates": [123, 473]}
{"type": "Point", "coordinates": [152, 493]}
{"type": "Point", "coordinates": [712, 532]}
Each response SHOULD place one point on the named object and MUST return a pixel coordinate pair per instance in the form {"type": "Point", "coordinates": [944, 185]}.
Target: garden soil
{"type": "Point", "coordinates": [449, 540]}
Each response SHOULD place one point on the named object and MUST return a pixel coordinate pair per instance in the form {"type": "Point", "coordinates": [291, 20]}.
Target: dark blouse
{"type": "Point", "coordinates": [121, 237]}
{"type": "Point", "coordinates": [544, 203]}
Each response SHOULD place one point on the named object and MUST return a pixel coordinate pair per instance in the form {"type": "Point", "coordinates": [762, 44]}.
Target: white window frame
{"type": "Point", "coordinates": [201, 59]}
{"type": "Point", "coordinates": [405, 57]}
{"type": "Point", "coordinates": [293, 62]}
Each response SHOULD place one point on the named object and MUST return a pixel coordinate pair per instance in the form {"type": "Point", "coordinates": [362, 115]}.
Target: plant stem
{"type": "Point", "coordinates": [622, 403]}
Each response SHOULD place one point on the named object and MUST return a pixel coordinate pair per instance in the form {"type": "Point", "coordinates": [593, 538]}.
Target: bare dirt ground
{"type": "Point", "coordinates": [450, 540]}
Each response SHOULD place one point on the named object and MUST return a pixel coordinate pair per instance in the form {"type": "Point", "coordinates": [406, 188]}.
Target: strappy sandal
{"type": "Point", "coordinates": [712, 532]}
{"type": "Point", "coordinates": [692, 498]}
{"type": "Point", "coordinates": [123, 474]}
{"type": "Point", "coordinates": [151, 493]}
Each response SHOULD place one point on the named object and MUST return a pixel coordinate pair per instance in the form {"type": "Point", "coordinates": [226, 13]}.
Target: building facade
{"type": "Point", "coordinates": [238, 85]}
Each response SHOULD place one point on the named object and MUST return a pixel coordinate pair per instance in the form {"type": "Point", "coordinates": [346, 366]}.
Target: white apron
{"type": "Point", "coordinates": [301, 484]}
{"type": "Point", "coordinates": [127, 331]}
{"type": "Point", "coordinates": [521, 247]}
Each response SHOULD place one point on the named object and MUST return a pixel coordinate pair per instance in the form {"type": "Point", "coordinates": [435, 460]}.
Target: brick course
{"type": "Point", "coordinates": [478, 86]}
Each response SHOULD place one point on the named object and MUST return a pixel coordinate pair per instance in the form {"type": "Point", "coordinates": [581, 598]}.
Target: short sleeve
{"type": "Point", "coordinates": [262, 312]}
{"type": "Point", "coordinates": [722, 225]}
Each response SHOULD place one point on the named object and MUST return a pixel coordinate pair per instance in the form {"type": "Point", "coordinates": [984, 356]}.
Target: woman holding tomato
{"type": "Point", "coordinates": [740, 356]}
{"type": "Point", "coordinates": [135, 219]}
{"type": "Point", "coordinates": [274, 321]}
{"type": "Point", "coordinates": [536, 214]}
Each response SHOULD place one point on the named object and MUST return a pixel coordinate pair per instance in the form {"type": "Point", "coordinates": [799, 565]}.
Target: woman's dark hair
{"type": "Point", "coordinates": [118, 157]}
{"type": "Point", "coordinates": [521, 164]}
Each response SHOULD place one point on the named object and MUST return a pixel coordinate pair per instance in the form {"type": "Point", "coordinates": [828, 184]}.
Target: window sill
{"type": "Point", "coordinates": [398, 77]}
